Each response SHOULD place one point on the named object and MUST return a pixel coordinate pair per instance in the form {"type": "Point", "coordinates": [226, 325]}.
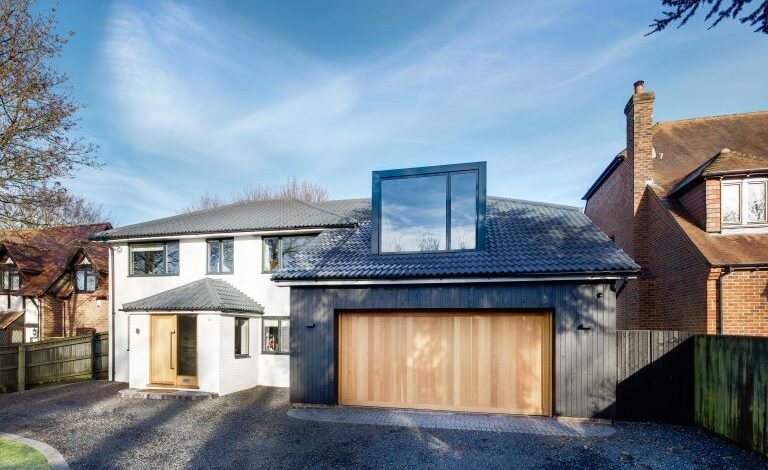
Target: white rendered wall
{"type": "Point", "coordinates": [237, 373]}
{"type": "Point", "coordinates": [261, 369]}
{"type": "Point", "coordinates": [139, 353]}
{"type": "Point", "coordinates": [17, 303]}
{"type": "Point", "coordinates": [208, 348]}
{"type": "Point", "coordinates": [31, 316]}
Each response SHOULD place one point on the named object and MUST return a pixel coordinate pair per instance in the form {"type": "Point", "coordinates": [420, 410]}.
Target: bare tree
{"type": "Point", "coordinates": [64, 208]}
{"type": "Point", "coordinates": [37, 117]}
{"type": "Point", "coordinates": [206, 201]}
{"type": "Point", "coordinates": [303, 190]}
{"type": "Point", "coordinates": [683, 10]}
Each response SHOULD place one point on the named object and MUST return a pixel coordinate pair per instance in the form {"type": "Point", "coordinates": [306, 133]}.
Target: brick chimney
{"type": "Point", "coordinates": [639, 112]}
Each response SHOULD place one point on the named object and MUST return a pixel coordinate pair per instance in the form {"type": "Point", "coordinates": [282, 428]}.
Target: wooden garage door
{"type": "Point", "coordinates": [468, 361]}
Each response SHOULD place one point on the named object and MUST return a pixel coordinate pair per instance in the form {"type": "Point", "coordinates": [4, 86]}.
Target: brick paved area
{"type": "Point", "coordinates": [461, 421]}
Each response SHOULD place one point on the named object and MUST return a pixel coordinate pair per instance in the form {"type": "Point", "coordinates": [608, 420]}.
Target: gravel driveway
{"type": "Point", "coordinates": [93, 428]}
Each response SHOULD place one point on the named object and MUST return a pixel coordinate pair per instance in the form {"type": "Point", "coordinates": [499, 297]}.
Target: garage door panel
{"type": "Point", "coordinates": [465, 361]}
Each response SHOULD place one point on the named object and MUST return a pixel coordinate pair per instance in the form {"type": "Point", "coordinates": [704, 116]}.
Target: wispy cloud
{"type": "Point", "coordinates": [233, 104]}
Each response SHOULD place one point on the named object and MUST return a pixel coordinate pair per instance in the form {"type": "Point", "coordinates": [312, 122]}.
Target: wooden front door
{"type": "Point", "coordinates": [466, 361]}
{"type": "Point", "coordinates": [163, 349]}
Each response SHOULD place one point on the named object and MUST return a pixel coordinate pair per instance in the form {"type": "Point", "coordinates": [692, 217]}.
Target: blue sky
{"type": "Point", "coordinates": [197, 96]}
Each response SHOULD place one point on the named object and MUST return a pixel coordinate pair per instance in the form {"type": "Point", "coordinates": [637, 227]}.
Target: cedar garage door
{"type": "Point", "coordinates": [464, 361]}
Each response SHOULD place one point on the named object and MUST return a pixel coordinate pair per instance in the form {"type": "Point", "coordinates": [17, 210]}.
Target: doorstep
{"type": "Point", "coordinates": [166, 394]}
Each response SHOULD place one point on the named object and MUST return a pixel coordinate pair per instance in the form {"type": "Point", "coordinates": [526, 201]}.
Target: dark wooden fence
{"type": "Point", "coordinates": [731, 388]}
{"type": "Point", "coordinates": [655, 376]}
{"type": "Point", "coordinates": [54, 361]}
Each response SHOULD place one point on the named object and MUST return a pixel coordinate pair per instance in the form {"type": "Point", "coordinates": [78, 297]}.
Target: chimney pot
{"type": "Point", "coordinates": [638, 86]}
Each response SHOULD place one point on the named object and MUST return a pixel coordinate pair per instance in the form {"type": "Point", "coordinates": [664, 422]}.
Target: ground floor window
{"type": "Point", "coordinates": [187, 345]}
{"type": "Point", "coordinates": [241, 336]}
{"type": "Point", "coordinates": [276, 332]}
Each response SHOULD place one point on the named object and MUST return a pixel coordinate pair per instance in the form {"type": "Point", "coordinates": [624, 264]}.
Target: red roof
{"type": "Point", "coordinates": [42, 254]}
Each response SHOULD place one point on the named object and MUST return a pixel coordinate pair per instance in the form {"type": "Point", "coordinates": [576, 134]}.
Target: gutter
{"type": "Point", "coordinates": [603, 176]}
{"type": "Point", "coordinates": [457, 280]}
{"type": "Point", "coordinates": [241, 233]}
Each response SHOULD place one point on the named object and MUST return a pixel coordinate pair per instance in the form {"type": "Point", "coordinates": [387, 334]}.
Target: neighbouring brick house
{"type": "Point", "coordinates": [687, 200]}
{"type": "Point", "coordinates": [53, 283]}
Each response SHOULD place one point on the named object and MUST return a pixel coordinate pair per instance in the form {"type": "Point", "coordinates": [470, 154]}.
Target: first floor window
{"type": "Point", "coordinates": [744, 202]}
{"type": "Point", "coordinates": [731, 203]}
{"type": "Point", "coordinates": [85, 279]}
{"type": "Point", "coordinates": [241, 336]}
{"type": "Point", "coordinates": [280, 252]}
{"type": "Point", "coordinates": [756, 202]}
{"type": "Point", "coordinates": [154, 259]}
{"type": "Point", "coordinates": [10, 279]}
{"type": "Point", "coordinates": [221, 256]}
{"type": "Point", "coordinates": [276, 335]}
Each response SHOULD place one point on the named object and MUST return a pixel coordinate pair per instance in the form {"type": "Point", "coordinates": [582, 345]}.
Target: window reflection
{"type": "Point", "coordinates": [413, 214]}
{"type": "Point", "coordinates": [731, 203]}
{"type": "Point", "coordinates": [756, 202]}
{"type": "Point", "coordinates": [463, 211]}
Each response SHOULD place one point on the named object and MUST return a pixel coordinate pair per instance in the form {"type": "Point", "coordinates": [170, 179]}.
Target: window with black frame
{"type": "Point", "coordinates": [241, 337]}
{"type": "Point", "coordinates": [10, 278]}
{"type": "Point", "coordinates": [429, 209]}
{"type": "Point", "coordinates": [154, 259]}
{"type": "Point", "coordinates": [280, 252]}
{"type": "Point", "coordinates": [221, 256]}
{"type": "Point", "coordinates": [276, 335]}
{"type": "Point", "coordinates": [85, 278]}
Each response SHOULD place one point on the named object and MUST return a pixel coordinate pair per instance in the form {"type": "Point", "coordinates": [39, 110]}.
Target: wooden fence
{"type": "Point", "coordinates": [731, 388]}
{"type": "Point", "coordinates": [54, 361]}
{"type": "Point", "coordinates": [655, 376]}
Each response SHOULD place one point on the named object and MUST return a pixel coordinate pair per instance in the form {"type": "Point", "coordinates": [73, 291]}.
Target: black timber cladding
{"type": "Point", "coordinates": [585, 359]}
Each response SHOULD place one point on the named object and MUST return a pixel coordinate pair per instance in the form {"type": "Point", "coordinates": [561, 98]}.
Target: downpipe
{"type": "Point", "coordinates": [720, 304]}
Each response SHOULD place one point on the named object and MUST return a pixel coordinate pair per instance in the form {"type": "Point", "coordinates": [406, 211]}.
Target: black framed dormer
{"type": "Point", "coordinates": [430, 209]}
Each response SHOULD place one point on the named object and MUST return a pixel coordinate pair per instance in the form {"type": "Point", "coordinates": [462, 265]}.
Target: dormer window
{"type": "Point", "coordinates": [10, 277]}
{"type": "Point", "coordinates": [85, 277]}
{"type": "Point", "coordinates": [743, 202]}
{"type": "Point", "coordinates": [431, 209]}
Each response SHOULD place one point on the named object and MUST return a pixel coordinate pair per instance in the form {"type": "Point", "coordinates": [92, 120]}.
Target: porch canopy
{"type": "Point", "coordinates": [204, 295]}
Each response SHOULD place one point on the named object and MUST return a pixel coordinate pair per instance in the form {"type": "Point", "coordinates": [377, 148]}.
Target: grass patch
{"type": "Point", "coordinates": [17, 456]}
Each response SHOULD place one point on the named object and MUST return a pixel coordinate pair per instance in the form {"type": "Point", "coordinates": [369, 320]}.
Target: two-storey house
{"type": "Point", "coordinates": [687, 199]}
{"type": "Point", "coordinates": [428, 295]}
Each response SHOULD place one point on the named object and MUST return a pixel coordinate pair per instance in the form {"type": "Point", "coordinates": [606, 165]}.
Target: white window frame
{"type": "Point", "coordinates": [280, 321]}
{"type": "Point", "coordinates": [743, 203]}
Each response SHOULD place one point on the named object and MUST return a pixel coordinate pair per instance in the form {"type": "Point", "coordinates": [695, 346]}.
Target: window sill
{"type": "Point", "coordinates": [153, 275]}
{"type": "Point", "coordinates": [242, 356]}
{"type": "Point", "coordinates": [273, 353]}
{"type": "Point", "coordinates": [219, 274]}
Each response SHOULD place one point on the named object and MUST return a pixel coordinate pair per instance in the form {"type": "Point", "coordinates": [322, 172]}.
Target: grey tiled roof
{"type": "Point", "coordinates": [523, 238]}
{"type": "Point", "coordinates": [241, 217]}
{"type": "Point", "coordinates": [201, 295]}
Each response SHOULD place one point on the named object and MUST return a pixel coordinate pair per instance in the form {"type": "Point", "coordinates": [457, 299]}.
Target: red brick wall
{"type": "Point", "coordinates": [745, 303]}
{"type": "Point", "coordinates": [695, 202]}
{"type": "Point", "coordinates": [80, 311]}
{"type": "Point", "coordinates": [676, 276]}
{"type": "Point", "coordinates": [610, 208]}
{"type": "Point", "coordinates": [51, 317]}
{"type": "Point", "coordinates": [713, 205]}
